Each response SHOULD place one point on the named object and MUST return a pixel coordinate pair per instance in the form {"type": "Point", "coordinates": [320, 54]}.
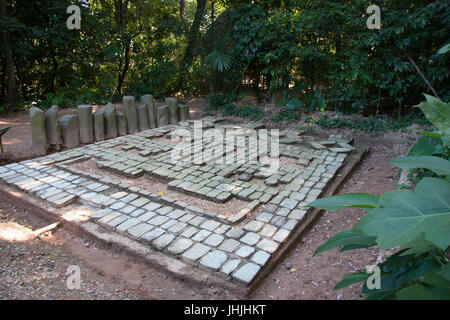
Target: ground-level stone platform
{"type": "Point", "coordinates": [235, 246]}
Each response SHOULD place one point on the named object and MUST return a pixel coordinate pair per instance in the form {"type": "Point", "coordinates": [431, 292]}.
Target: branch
{"type": "Point", "coordinates": [421, 74]}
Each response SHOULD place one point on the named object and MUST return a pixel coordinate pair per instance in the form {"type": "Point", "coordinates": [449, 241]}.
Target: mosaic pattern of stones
{"type": "Point", "coordinates": [235, 245]}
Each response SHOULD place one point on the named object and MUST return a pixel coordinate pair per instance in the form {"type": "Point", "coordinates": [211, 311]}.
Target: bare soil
{"type": "Point", "coordinates": [35, 268]}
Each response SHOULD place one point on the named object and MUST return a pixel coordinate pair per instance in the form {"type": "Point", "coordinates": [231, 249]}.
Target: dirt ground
{"type": "Point", "coordinates": [35, 268]}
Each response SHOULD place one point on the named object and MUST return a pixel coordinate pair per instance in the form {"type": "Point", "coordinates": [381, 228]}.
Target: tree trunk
{"type": "Point", "coordinates": [124, 70]}
{"type": "Point", "coordinates": [9, 60]}
{"type": "Point", "coordinates": [192, 41]}
{"type": "Point", "coordinates": [182, 9]}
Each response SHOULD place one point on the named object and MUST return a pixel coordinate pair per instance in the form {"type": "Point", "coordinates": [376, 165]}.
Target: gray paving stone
{"type": "Point", "coordinates": [177, 227]}
{"type": "Point", "coordinates": [235, 233]}
{"type": "Point", "coordinates": [139, 230]}
{"type": "Point", "coordinates": [110, 216]}
{"type": "Point", "coordinates": [101, 213]}
{"type": "Point", "coordinates": [158, 220]}
{"type": "Point", "coordinates": [197, 251]}
{"type": "Point", "coordinates": [214, 240]}
{"type": "Point", "coordinates": [281, 235]}
{"type": "Point", "coordinates": [230, 266]}
{"type": "Point", "coordinates": [163, 241]}
{"type": "Point", "coordinates": [189, 231]}
{"type": "Point", "coordinates": [268, 245]}
{"type": "Point", "coordinates": [164, 210]}
{"type": "Point", "coordinates": [116, 221]}
{"type": "Point", "coordinates": [253, 226]}
{"type": "Point", "coordinates": [170, 223]}
{"type": "Point", "coordinates": [146, 216]}
{"type": "Point", "coordinates": [213, 260]}
{"type": "Point", "coordinates": [127, 224]}
{"type": "Point", "coordinates": [179, 246]}
{"type": "Point", "coordinates": [229, 245]}
{"type": "Point", "coordinates": [245, 251]}
{"type": "Point", "coordinates": [268, 231]}
{"type": "Point", "coordinates": [260, 257]}
{"type": "Point", "coordinates": [152, 234]}
{"type": "Point", "coordinates": [210, 225]}
{"type": "Point", "coordinates": [246, 273]}
{"type": "Point", "coordinates": [152, 206]}
{"type": "Point", "coordinates": [201, 235]}
{"type": "Point", "coordinates": [250, 238]}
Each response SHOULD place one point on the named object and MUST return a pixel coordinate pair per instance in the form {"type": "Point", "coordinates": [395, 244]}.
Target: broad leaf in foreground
{"type": "Point", "coordinates": [438, 113]}
{"type": "Point", "coordinates": [350, 200]}
{"type": "Point", "coordinates": [402, 216]}
{"type": "Point", "coordinates": [437, 165]}
{"type": "Point", "coordinates": [347, 238]}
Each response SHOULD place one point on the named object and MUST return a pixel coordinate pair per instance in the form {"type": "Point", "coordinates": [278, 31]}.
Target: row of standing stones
{"type": "Point", "coordinates": [86, 127]}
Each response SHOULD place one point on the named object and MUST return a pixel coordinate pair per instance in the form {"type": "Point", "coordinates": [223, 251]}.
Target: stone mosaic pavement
{"type": "Point", "coordinates": [234, 246]}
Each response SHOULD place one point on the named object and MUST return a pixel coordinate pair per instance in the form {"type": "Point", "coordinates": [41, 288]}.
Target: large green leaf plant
{"type": "Point", "coordinates": [415, 222]}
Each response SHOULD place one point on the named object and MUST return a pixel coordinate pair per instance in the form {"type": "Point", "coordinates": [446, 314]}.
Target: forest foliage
{"type": "Point", "coordinates": [308, 55]}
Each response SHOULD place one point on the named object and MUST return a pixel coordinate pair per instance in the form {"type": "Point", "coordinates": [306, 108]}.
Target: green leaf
{"type": "Point", "coordinates": [350, 200]}
{"type": "Point", "coordinates": [351, 279]}
{"type": "Point", "coordinates": [416, 291]}
{"type": "Point", "coordinates": [402, 216]}
{"type": "Point", "coordinates": [426, 146]}
{"type": "Point", "coordinates": [444, 49]}
{"type": "Point", "coordinates": [438, 113]}
{"type": "Point", "coordinates": [345, 239]}
{"type": "Point", "coordinates": [437, 165]}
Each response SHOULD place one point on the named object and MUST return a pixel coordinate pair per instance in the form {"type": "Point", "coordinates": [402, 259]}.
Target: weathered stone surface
{"type": "Point", "coordinates": [179, 246]}
{"type": "Point", "coordinates": [129, 108]}
{"type": "Point", "coordinates": [213, 260]}
{"type": "Point", "coordinates": [142, 117]}
{"type": "Point", "coordinates": [195, 252]}
{"type": "Point", "coordinates": [86, 124]}
{"type": "Point", "coordinates": [162, 116]}
{"type": "Point", "coordinates": [163, 241]}
{"type": "Point", "coordinates": [260, 257]}
{"type": "Point", "coordinates": [70, 131]}
{"type": "Point", "coordinates": [52, 128]}
{"type": "Point", "coordinates": [38, 135]}
{"type": "Point", "coordinates": [149, 101]}
{"type": "Point", "coordinates": [172, 105]}
{"type": "Point", "coordinates": [99, 125]}
{"type": "Point", "coordinates": [110, 121]}
{"type": "Point", "coordinates": [246, 273]}
{"type": "Point", "coordinates": [184, 112]}
{"type": "Point", "coordinates": [122, 127]}
{"type": "Point", "coordinates": [230, 266]}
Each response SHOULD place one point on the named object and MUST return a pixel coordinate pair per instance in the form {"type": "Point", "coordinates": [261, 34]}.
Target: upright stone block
{"type": "Point", "coordinates": [70, 131]}
{"type": "Point", "coordinates": [85, 121]}
{"type": "Point", "coordinates": [110, 121]}
{"type": "Point", "coordinates": [173, 110]}
{"type": "Point", "coordinates": [121, 124]}
{"type": "Point", "coordinates": [149, 101]}
{"type": "Point", "coordinates": [129, 108]}
{"type": "Point", "coordinates": [184, 112]}
{"type": "Point", "coordinates": [99, 125]}
{"type": "Point", "coordinates": [142, 117]}
{"type": "Point", "coordinates": [52, 128]}
{"type": "Point", "coordinates": [162, 116]}
{"type": "Point", "coordinates": [38, 135]}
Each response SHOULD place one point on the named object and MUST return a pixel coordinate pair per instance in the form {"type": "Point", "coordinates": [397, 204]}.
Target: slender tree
{"type": "Point", "coordinates": [9, 61]}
